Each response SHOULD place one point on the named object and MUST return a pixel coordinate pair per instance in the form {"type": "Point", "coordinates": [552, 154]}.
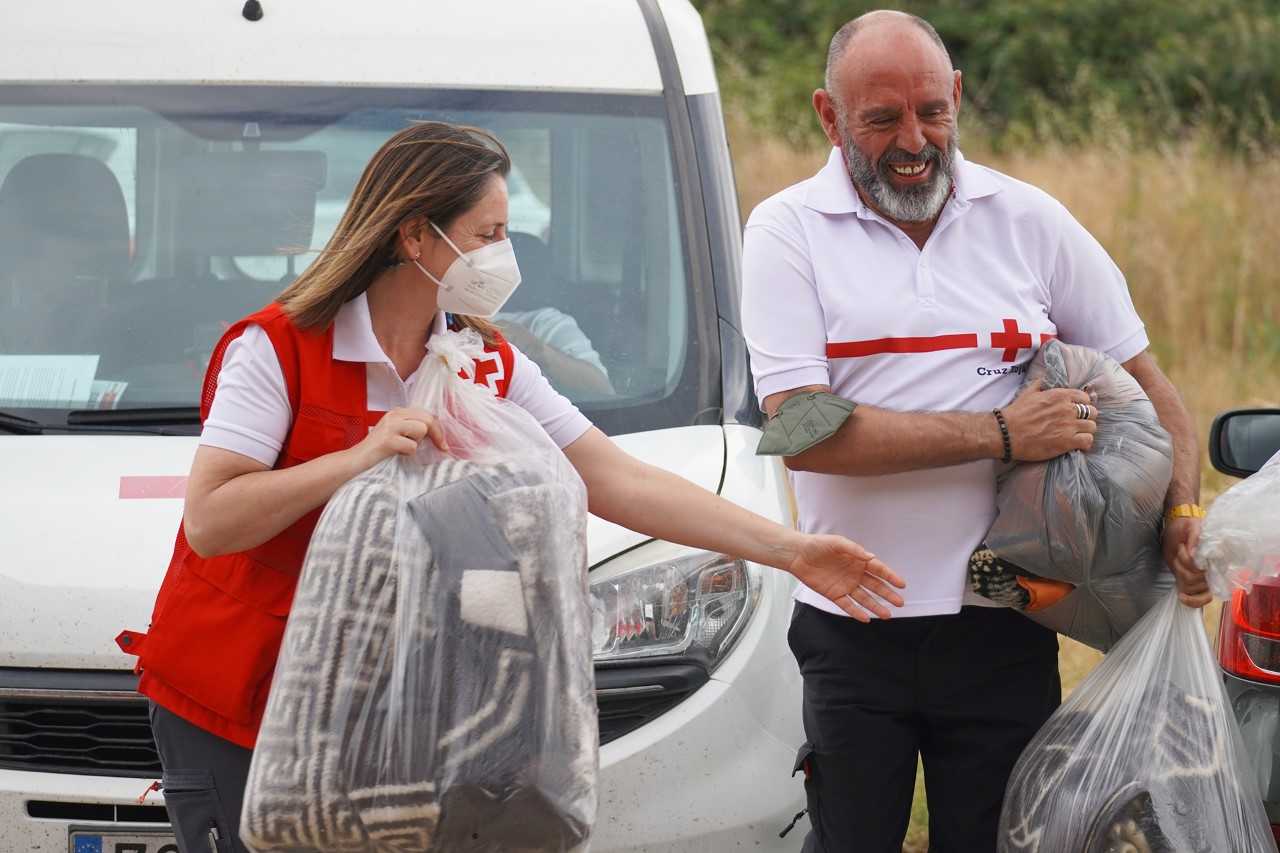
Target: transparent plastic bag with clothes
{"type": "Point", "coordinates": [1146, 756]}
{"type": "Point", "coordinates": [435, 689]}
{"type": "Point", "coordinates": [1240, 542]}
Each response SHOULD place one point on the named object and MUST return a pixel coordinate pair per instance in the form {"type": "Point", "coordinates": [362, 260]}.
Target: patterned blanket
{"type": "Point", "coordinates": [435, 689]}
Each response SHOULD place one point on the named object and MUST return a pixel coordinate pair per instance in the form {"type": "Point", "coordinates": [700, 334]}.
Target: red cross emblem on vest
{"type": "Point", "coordinates": [489, 370]}
{"type": "Point", "coordinates": [1011, 340]}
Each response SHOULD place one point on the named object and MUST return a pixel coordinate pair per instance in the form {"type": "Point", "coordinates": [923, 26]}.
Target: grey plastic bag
{"type": "Point", "coordinates": [1091, 520]}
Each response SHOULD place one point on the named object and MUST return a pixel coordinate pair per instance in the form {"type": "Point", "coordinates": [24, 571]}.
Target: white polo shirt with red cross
{"type": "Point", "coordinates": [834, 294]}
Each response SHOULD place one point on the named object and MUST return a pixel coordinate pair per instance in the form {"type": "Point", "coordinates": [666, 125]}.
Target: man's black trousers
{"type": "Point", "coordinates": [964, 692]}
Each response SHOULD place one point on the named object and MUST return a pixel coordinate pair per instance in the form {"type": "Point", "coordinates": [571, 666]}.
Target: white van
{"type": "Point", "coordinates": [133, 230]}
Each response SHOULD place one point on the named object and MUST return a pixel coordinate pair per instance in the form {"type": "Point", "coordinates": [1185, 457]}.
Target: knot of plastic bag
{"type": "Point", "coordinates": [455, 352]}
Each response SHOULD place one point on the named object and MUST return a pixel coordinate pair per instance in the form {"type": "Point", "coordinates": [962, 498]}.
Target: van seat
{"type": "Point", "coordinates": [64, 234]}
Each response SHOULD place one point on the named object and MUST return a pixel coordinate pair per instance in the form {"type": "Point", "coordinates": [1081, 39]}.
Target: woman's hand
{"type": "Point", "coordinates": [234, 502]}
{"type": "Point", "coordinates": [399, 431]}
{"type": "Point", "coordinates": [848, 575]}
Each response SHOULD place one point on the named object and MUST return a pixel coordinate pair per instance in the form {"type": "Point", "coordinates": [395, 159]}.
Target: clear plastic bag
{"type": "Point", "coordinates": [435, 690]}
{"type": "Point", "coordinates": [1146, 751]}
{"type": "Point", "coordinates": [1240, 542]}
{"type": "Point", "coordinates": [1090, 520]}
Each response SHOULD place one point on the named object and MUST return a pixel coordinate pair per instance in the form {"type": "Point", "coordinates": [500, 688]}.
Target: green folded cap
{"type": "Point", "coordinates": [803, 421]}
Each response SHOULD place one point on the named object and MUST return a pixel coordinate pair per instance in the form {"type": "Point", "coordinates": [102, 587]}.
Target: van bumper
{"type": "Point", "coordinates": [22, 791]}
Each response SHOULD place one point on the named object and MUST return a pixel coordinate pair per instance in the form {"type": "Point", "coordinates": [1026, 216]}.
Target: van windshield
{"type": "Point", "coordinates": [138, 222]}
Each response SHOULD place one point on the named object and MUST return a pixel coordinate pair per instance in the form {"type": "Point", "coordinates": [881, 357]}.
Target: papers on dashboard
{"type": "Point", "coordinates": [55, 381]}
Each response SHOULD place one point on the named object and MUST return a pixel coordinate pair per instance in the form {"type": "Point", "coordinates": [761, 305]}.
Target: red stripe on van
{"type": "Point", "coordinates": [145, 488]}
{"type": "Point", "coordinates": [882, 346]}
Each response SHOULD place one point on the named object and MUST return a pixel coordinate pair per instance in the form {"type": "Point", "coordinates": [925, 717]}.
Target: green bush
{"type": "Point", "coordinates": [1065, 70]}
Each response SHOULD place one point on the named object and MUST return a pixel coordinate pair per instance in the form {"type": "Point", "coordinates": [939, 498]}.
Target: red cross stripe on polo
{"type": "Point", "coordinates": [881, 346]}
{"type": "Point", "coordinates": [1011, 340]}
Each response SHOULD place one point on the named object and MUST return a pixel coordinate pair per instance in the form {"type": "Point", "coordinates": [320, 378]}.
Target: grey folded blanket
{"type": "Point", "coordinates": [435, 689]}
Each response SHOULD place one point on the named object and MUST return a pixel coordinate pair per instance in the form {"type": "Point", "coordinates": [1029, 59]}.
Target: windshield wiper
{"type": "Point", "coordinates": [151, 416]}
{"type": "Point", "coordinates": [19, 426]}
{"type": "Point", "coordinates": [106, 421]}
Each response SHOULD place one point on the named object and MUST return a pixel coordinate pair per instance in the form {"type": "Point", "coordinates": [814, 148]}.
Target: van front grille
{"type": "Point", "coordinates": [89, 737]}
{"type": "Point", "coordinates": [114, 738]}
{"type": "Point", "coordinates": [93, 723]}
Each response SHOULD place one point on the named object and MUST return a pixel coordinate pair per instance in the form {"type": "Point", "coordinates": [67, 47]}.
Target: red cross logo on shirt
{"type": "Point", "coordinates": [1011, 340]}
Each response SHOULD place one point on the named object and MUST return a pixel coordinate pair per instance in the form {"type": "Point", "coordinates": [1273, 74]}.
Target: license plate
{"type": "Point", "coordinates": [135, 841]}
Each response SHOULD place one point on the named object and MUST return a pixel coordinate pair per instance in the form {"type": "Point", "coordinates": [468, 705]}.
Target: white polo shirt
{"type": "Point", "coordinates": [251, 415]}
{"type": "Point", "coordinates": [833, 294]}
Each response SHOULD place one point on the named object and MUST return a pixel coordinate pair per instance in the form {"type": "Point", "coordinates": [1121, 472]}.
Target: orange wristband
{"type": "Point", "coordinates": [1184, 511]}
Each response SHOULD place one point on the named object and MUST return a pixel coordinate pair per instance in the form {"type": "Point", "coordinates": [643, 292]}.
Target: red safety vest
{"type": "Point", "coordinates": [218, 623]}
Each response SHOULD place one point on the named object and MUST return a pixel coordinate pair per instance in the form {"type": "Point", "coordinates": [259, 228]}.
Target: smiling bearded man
{"type": "Point", "coordinates": [892, 303]}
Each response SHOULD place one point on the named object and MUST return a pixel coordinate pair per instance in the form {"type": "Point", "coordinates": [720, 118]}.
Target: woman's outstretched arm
{"type": "Point", "coordinates": [649, 500]}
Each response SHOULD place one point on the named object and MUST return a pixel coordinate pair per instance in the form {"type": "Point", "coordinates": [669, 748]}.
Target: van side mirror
{"type": "Point", "coordinates": [1243, 440]}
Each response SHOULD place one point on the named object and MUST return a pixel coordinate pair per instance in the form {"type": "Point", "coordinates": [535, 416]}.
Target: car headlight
{"type": "Point", "coordinates": [693, 605]}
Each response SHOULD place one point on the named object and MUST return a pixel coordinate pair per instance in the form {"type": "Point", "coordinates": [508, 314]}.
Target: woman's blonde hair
{"type": "Point", "coordinates": [431, 170]}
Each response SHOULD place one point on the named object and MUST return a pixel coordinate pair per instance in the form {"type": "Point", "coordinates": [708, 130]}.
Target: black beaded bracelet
{"type": "Point", "coordinates": [1004, 435]}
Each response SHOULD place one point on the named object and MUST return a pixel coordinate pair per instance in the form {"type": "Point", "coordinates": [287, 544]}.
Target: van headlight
{"type": "Point", "coordinates": [694, 606]}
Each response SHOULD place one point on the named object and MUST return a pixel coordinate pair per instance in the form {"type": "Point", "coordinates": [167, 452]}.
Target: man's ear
{"type": "Point", "coordinates": [825, 107]}
{"type": "Point", "coordinates": [958, 88]}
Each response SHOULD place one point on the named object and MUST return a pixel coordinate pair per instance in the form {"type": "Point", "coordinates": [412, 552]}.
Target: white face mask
{"type": "Point", "coordinates": [479, 282]}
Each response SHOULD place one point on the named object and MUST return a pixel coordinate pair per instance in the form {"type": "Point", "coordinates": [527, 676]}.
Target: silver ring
{"type": "Point", "coordinates": [1082, 411]}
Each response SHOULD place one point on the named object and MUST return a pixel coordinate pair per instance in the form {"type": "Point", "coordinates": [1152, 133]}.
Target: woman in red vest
{"type": "Point", "coordinates": [311, 391]}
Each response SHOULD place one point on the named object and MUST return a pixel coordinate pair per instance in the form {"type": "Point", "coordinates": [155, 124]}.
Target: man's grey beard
{"type": "Point", "coordinates": [909, 204]}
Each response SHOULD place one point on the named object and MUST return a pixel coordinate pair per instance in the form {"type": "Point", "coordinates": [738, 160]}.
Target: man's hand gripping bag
{"type": "Point", "coordinates": [1146, 756]}
{"type": "Point", "coordinates": [1076, 540]}
{"type": "Point", "coordinates": [435, 690]}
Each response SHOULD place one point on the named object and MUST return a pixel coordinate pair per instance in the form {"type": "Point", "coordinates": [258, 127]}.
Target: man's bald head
{"type": "Point", "coordinates": [890, 104]}
{"type": "Point", "coordinates": [842, 41]}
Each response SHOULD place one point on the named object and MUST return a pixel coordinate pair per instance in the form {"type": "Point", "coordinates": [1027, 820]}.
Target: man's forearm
{"type": "Point", "coordinates": [1174, 417]}
{"type": "Point", "coordinates": [573, 373]}
{"type": "Point", "coordinates": [878, 441]}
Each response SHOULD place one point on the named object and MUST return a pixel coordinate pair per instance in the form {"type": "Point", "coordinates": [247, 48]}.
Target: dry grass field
{"type": "Point", "coordinates": [1194, 231]}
